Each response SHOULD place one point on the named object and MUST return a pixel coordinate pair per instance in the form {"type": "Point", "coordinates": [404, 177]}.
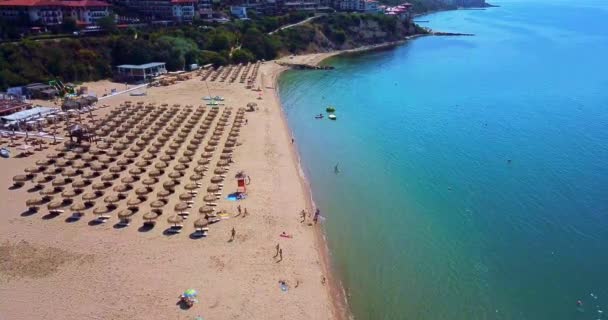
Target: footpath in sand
{"type": "Point", "coordinates": [50, 268]}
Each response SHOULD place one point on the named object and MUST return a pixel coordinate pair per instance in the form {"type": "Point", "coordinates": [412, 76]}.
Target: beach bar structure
{"type": "Point", "coordinates": [140, 73]}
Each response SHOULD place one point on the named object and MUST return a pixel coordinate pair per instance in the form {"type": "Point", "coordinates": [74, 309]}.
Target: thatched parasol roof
{"type": "Point", "coordinates": [112, 198]}
{"type": "Point", "coordinates": [149, 181]}
{"type": "Point", "coordinates": [35, 169]}
{"type": "Point", "coordinates": [143, 190]}
{"type": "Point", "coordinates": [185, 197]}
{"type": "Point", "coordinates": [150, 216]}
{"type": "Point", "coordinates": [175, 219]}
{"type": "Point", "coordinates": [61, 181]}
{"type": "Point", "coordinates": [125, 213]}
{"type": "Point", "coordinates": [123, 188]}
{"type": "Point", "coordinates": [101, 185]}
{"type": "Point", "coordinates": [109, 177]}
{"type": "Point", "coordinates": [170, 184]}
{"type": "Point", "coordinates": [34, 202]}
{"type": "Point", "coordinates": [180, 167]}
{"type": "Point", "coordinates": [70, 193]}
{"type": "Point", "coordinates": [161, 165]}
{"type": "Point", "coordinates": [201, 223]}
{"type": "Point", "coordinates": [175, 175]}
{"type": "Point", "coordinates": [206, 209]}
{"type": "Point", "coordinates": [217, 179]}
{"type": "Point", "coordinates": [164, 193]}
{"type": "Point", "coordinates": [54, 205]}
{"type": "Point", "coordinates": [92, 195]}
{"type": "Point", "coordinates": [136, 171]}
{"type": "Point", "coordinates": [136, 201]}
{"type": "Point", "coordinates": [210, 198]}
{"type": "Point", "coordinates": [182, 206]}
{"type": "Point", "coordinates": [158, 204]}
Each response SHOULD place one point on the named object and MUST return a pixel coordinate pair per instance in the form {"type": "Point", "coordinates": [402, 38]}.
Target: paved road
{"type": "Point", "coordinates": [296, 24]}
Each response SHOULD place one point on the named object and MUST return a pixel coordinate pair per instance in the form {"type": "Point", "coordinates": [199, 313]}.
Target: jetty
{"type": "Point", "coordinates": [304, 66]}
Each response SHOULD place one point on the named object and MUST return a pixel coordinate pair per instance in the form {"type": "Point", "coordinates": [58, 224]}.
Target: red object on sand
{"type": "Point", "coordinates": [241, 185]}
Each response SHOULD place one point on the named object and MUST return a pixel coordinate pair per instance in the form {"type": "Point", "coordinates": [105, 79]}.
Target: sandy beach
{"type": "Point", "coordinates": [83, 270]}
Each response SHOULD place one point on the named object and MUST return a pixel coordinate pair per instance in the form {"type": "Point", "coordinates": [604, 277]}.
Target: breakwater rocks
{"type": "Point", "coordinates": [439, 33]}
{"type": "Point", "coordinates": [302, 66]}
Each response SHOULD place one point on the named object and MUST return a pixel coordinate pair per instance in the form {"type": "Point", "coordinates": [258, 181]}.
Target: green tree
{"type": "Point", "coordinates": [69, 25]}
{"type": "Point", "coordinates": [242, 56]}
{"type": "Point", "coordinates": [107, 23]}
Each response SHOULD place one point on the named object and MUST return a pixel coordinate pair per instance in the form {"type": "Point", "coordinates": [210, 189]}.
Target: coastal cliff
{"type": "Point", "coordinates": [344, 32]}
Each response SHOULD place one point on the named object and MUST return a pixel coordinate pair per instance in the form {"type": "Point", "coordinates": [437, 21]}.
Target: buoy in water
{"type": "Point", "coordinates": [332, 117]}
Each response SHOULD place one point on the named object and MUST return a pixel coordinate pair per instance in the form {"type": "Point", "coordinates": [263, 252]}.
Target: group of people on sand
{"type": "Point", "coordinates": [315, 218]}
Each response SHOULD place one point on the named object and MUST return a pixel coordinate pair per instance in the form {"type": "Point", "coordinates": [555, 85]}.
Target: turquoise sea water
{"type": "Point", "coordinates": [428, 219]}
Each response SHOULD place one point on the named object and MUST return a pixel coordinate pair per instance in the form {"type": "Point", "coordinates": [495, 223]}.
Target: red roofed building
{"type": "Point", "coordinates": [52, 12]}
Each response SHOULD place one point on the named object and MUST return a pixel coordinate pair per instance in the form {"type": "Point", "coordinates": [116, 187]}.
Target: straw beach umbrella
{"type": "Point", "coordinates": [180, 167]}
{"type": "Point", "coordinates": [149, 181]}
{"type": "Point", "coordinates": [92, 195]}
{"type": "Point", "coordinates": [136, 171]}
{"type": "Point", "coordinates": [61, 181]}
{"type": "Point", "coordinates": [143, 191]}
{"type": "Point", "coordinates": [210, 198]}
{"type": "Point", "coordinates": [81, 183]}
{"type": "Point", "coordinates": [185, 197]}
{"type": "Point", "coordinates": [125, 216]}
{"type": "Point", "coordinates": [158, 204]}
{"type": "Point", "coordinates": [213, 188]}
{"type": "Point", "coordinates": [175, 175]}
{"type": "Point", "coordinates": [51, 190]}
{"type": "Point", "coordinates": [150, 216]}
{"type": "Point", "coordinates": [136, 201]}
{"type": "Point", "coordinates": [200, 224]}
{"type": "Point", "coordinates": [175, 220]}
{"type": "Point", "coordinates": [181, 207]}
{"type": "Point", "coordinates": [206, 210]}
{"type": "Point", "coordinates": [123, 188]}
{"type": "Point", "coordinates": [101, 185]}
{"type": "Point", "coordinates": [90, 174]}
{"type": "Point", "coordinates": [164, 193]}
{"type": "Point", "coordinates": [169, 185]}
{"type": "Point", "coordinates": [217, 179]}
{"type": "Point", "coordinates": [33, 204]}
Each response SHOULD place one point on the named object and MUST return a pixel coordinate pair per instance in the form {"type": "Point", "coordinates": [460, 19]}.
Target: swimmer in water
{"type": "Point", "coordinates": [336, 170]}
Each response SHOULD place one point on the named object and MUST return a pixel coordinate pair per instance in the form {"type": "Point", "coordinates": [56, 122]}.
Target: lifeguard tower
{"type": "Point", "coordinates": [242, 180]}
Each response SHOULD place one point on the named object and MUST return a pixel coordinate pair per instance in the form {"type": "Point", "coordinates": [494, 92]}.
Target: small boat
{"type": "Point", "coordinates": [332, 117]}
{"type": "Point", "coordinates": [330, 109]}
{"type": "Point", "coordinates": [319, 116]}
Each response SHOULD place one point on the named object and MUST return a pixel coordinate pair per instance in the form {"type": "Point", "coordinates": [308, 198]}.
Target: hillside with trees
{"type": "Point", "coordinates": [87, 59]}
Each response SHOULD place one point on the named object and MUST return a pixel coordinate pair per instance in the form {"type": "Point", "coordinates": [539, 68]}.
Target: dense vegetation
{"type": "Point", "coordinates": [92, 58]}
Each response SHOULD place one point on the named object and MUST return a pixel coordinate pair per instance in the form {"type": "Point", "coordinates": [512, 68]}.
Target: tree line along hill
{"type": "Point", "coordinates": [93, 58]}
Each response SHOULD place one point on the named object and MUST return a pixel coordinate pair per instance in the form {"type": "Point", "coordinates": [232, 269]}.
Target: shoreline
{"type": "Point", "coordinates": [337, 291]}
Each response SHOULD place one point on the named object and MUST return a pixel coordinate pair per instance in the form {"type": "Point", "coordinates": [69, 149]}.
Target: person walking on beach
{"type": "Point", "coordinates": [238, 208]}
{"type": "Point", "coordinates": [232, 234]}
{"type": "Point", "coordinates": [303, 215]}
{"type": "Point", "coordinates": [317, 214]}
{"type": "Point", "coordinates": [280, 255]}
{"type": "Point", "coordinates": [278, 247]}
{"type": "Point", "coordinates": [245, 213]}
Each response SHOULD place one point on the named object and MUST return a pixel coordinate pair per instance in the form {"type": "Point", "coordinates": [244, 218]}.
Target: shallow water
{"type": "Point", "coordinates": [473, 176]}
